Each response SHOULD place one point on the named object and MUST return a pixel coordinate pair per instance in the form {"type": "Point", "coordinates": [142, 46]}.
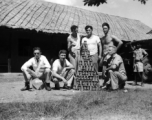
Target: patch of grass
{"type": "Point", "coordinates": [32, 110]}
{"type": "Point", "coordinates": [99, 103]}
{"type": "Point", "coordinates": [134, 105]}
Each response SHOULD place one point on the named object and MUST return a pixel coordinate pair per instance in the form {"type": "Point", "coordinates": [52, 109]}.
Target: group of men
{"type": "Point", "coordinates": [103, 52]}
{"type": "Point", "coordinates": [61, 70]}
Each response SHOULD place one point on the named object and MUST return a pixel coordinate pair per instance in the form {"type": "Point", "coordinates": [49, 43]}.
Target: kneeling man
{"type": "Point", "coordinates": [115, 73]}
{"type": "Point", "coordinates": [62, 70]}
{"type": "Point", "coordinates": [41, 70]}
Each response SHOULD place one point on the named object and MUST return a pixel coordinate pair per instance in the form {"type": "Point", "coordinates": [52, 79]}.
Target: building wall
{"type": "Point", "coordinates": [4, 40]}
{"type": "Point", "coordinates": [22, 43]}
{"type": "Point", "coordinates": [17, 44]}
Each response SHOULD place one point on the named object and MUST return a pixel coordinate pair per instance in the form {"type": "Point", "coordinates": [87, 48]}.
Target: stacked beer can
{"type": "Point", "coordinates": [87, 77]}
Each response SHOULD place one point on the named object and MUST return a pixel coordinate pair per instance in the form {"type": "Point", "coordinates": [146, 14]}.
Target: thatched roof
{"type": "Point", "coordinates": [55, 18]}
{"type": "Point", "coordinates": [150, 32]}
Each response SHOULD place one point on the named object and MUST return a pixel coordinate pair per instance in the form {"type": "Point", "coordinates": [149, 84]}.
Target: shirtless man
{"type": "Point", "coordinates": [108, 40]}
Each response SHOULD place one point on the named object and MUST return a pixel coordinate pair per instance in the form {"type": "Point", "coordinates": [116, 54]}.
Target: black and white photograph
{"type": "Point", "coordinates": [75, 60]}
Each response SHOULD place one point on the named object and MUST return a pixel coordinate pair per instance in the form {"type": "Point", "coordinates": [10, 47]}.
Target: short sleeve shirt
{"type": "Point", "coordinates": [92, 43]}
{"type": "Point", "coordinates": [117, 60]}
{"type": "Point", "coordinates": [138, 54]}
{"type": "Point", "coordinates": [56, 67]}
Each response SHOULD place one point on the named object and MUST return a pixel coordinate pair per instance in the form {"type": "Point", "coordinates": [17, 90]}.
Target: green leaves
{"type": "Point", "coordinates": [98, 2]}
{"type": "Point", "coordinates": [94, 2]}
{"type": "Point", "coordinates": [143, 1]}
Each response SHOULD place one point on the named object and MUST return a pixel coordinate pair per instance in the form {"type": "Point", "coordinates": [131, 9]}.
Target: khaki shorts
{"type": "Point", "coordinates": [138, 67]}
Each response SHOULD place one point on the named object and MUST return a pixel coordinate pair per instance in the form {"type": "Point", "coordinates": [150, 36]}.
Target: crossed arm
{"type": "Point", "coordinates": [59, 76]}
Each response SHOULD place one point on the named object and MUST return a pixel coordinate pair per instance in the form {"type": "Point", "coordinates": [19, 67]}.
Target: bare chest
{"type": "Point", "coordinates": [107, 41]}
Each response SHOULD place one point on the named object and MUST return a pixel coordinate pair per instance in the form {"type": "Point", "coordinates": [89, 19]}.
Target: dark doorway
{"type": "Point", "coordinates": [22, 43]}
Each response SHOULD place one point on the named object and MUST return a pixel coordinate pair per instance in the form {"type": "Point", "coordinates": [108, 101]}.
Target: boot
{"type": "Point", "coordinates": [27, 86]}
{"type": "Point", "coordinates": [122, 85]}
{"type": "Point", "coordinates": [47, 86]}
{"type": "Point", "coordinates": [66, 87]}
{"type": "Point", "coordinates": [142, 82]}
{"type": "Point", "coordinates": [57, 86]}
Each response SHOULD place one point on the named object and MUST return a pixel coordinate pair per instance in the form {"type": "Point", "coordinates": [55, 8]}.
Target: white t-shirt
{"type": "Point", "coordinates": [75, 41]}
{"type": "Point", "coordinates": [92, 43]}
{"type": "Point", "coordinates": [56, 67]}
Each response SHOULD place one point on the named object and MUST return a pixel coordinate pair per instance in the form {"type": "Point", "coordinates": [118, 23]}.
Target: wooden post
{"type": "Point", "coordinates": [9, 65]}
{"type": "Point", "coordinates": [9, 51]}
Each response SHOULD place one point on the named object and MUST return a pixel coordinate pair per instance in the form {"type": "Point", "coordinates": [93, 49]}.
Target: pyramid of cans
{"type": "Point", "coordinates": [87, 77]}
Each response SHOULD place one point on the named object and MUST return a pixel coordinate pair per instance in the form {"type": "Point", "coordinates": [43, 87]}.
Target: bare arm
{"type": "Point", "coordinates": [144, 57]}
{"type": "Point", "coordinates": [55, 74]}
{"type": "Point", "coordinates": [132, 47]}
{"type": "Point", "coordinates": [69, 44]}
{"type": "Point", "coordinates": [100, 49]}
{"type": "Point", "coordinates": [59, 76]}
{"type": "Point", "coordinates": [133, 59]}
{"type": "Point", "coordinates": [112, 67]}
{"type": "Point", "coordinates": [145, 54]}
{"type": "Point", "coordinates": [69, 65]}
{"type": "Point", "coordinates": [118, 41]}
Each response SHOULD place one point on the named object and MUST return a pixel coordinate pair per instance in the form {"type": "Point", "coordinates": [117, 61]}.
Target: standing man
{"type": "Point", "coordinates": [108, 40]}
{"type": "Point", "coordinates": [138, 55]}
{"type": "Point", "coordinates": [63, 70]}
{"type": "Point", "coordinates": [41, 70]}
{"type": "Point", "coordinates": [115, 74]}
{"type": "Point", "coordinates": [94, 45]}
{"type": "Point", "coordinates": [74, 45]}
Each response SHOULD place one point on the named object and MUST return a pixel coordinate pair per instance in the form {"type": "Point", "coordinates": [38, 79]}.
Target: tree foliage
{"type": "Point", "coordinates": [98, 2]}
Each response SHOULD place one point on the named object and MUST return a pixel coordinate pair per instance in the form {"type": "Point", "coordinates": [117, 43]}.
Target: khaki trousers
{"type": "Point", "coordinates": [68, 75]}
{"type": "Point", "coordinates": [116, 79]}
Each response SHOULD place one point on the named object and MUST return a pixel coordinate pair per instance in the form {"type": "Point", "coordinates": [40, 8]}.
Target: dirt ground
{"type": "Point", "coordinates": [11, 83]}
